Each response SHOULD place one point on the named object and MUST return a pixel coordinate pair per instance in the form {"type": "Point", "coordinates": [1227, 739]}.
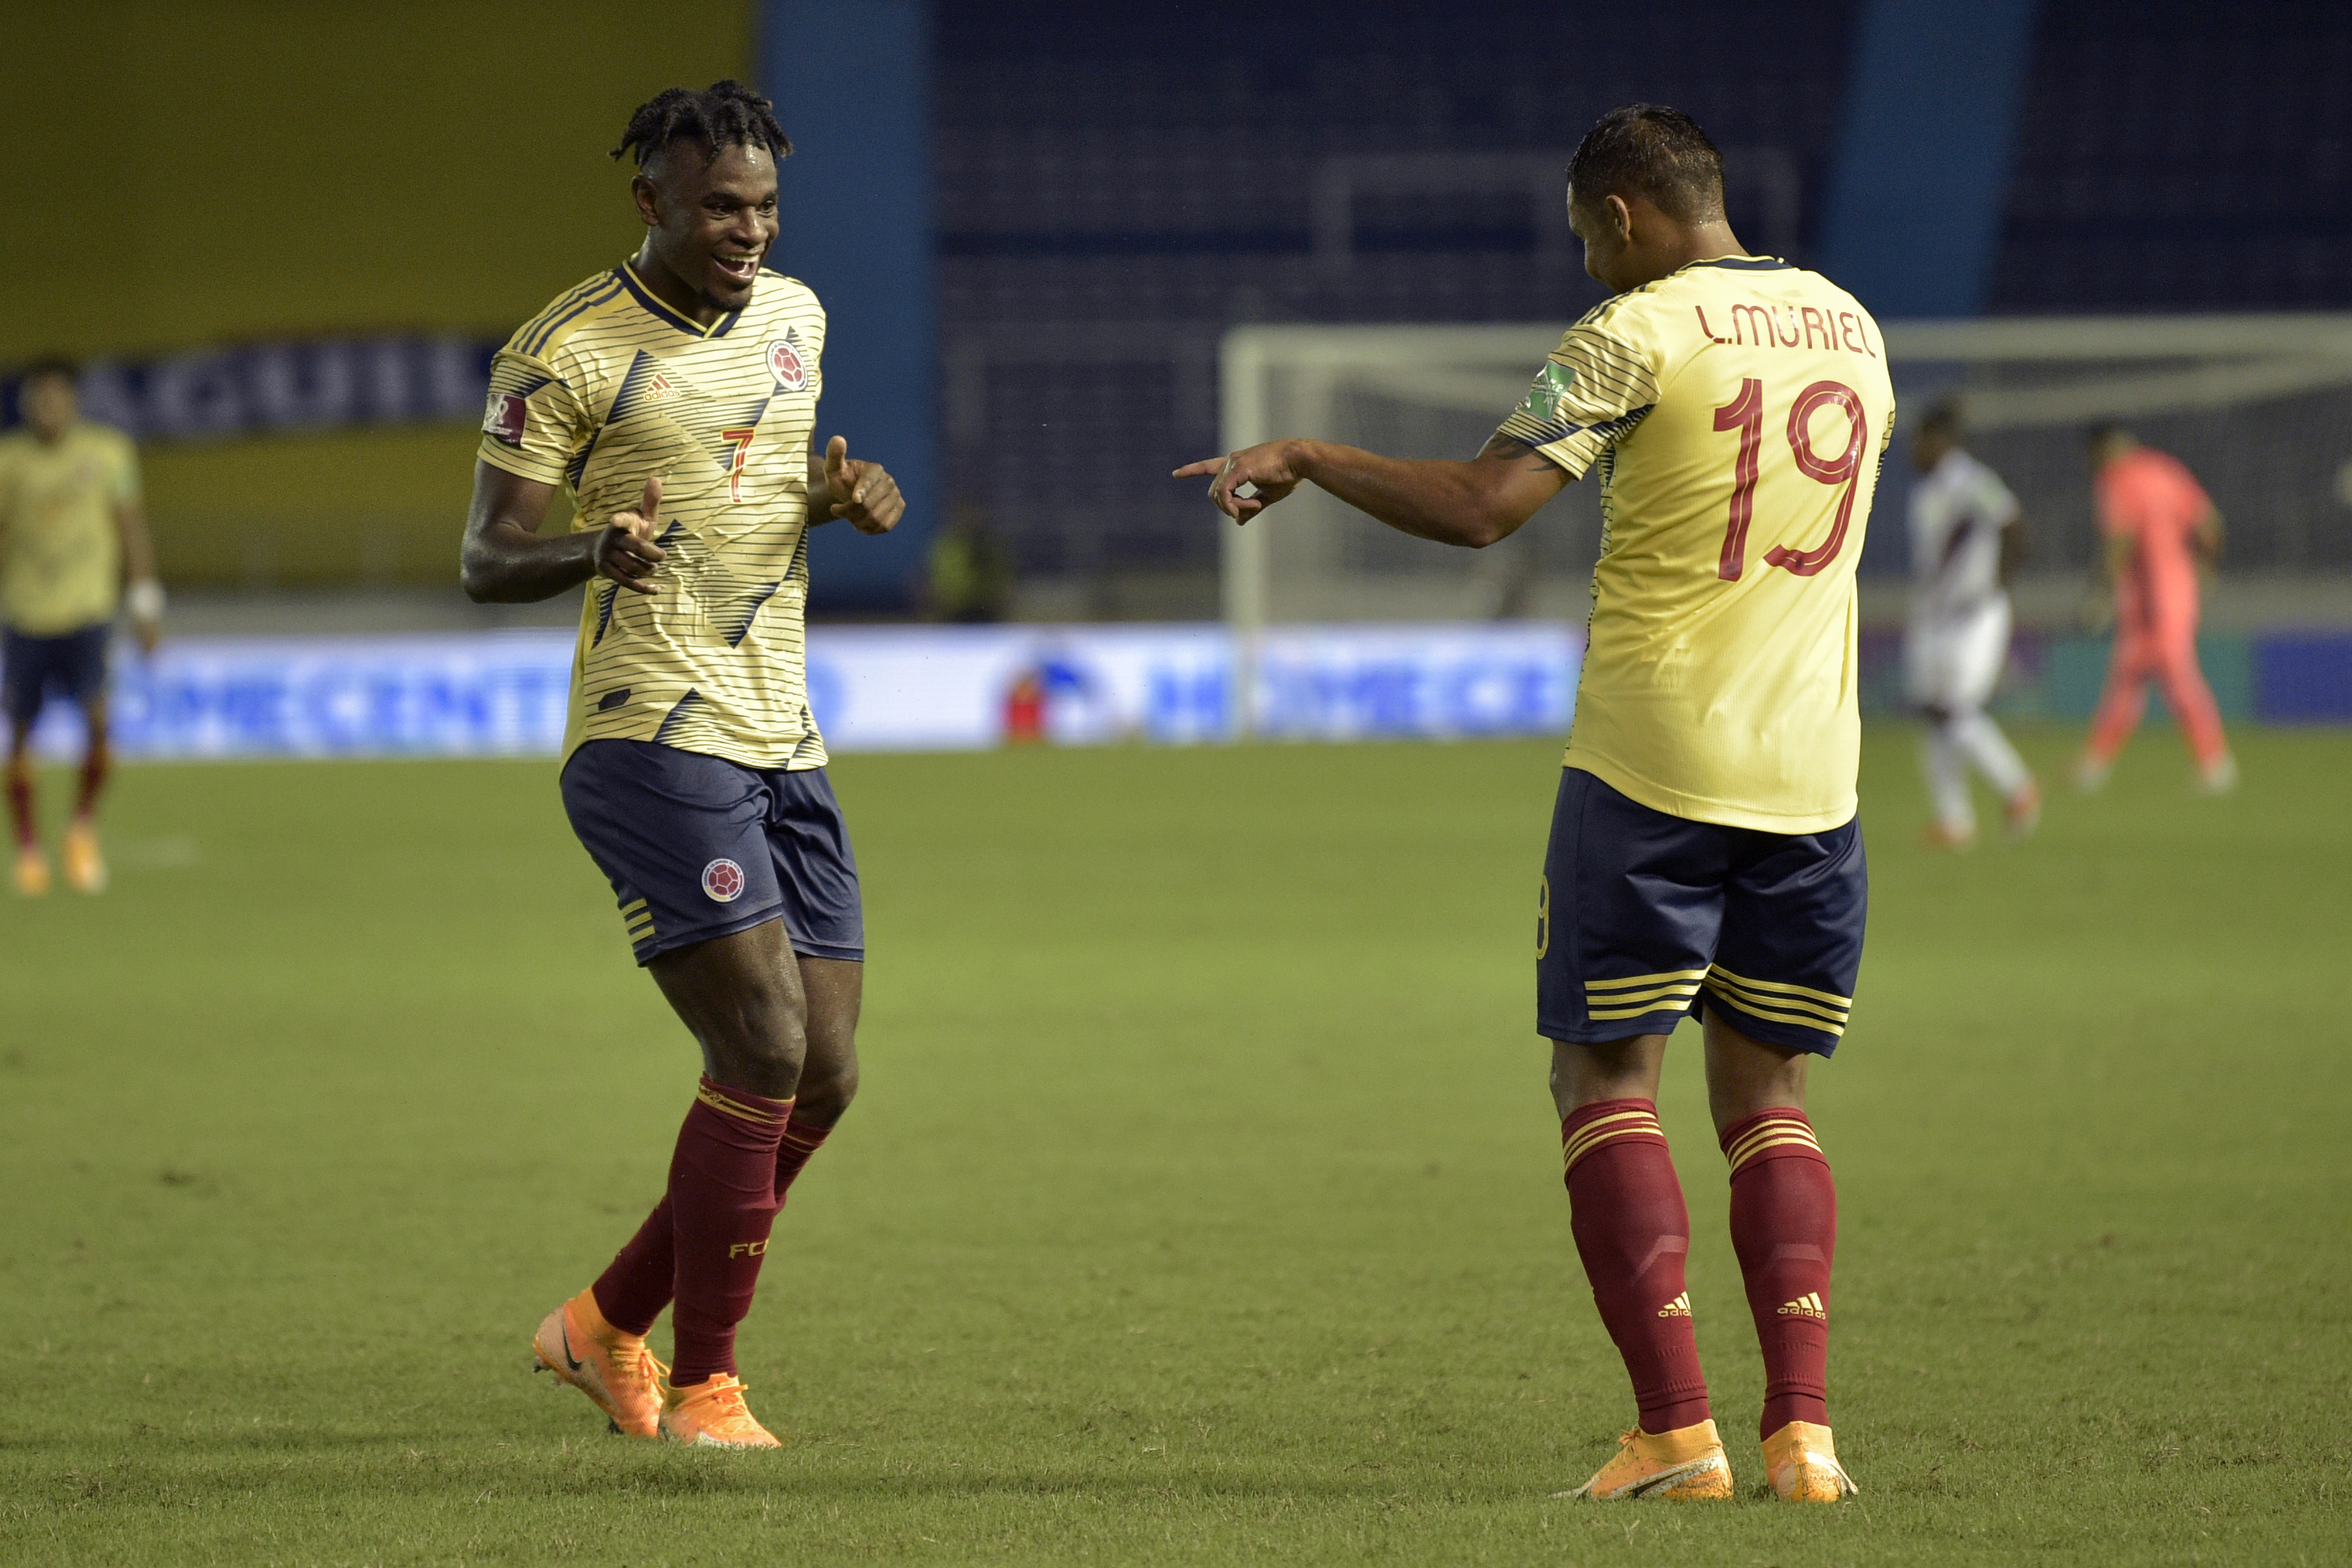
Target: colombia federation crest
{"type": "Point", "coordinates": [784, 360]}
{"type": "Point", "coordinates": [723, 880]}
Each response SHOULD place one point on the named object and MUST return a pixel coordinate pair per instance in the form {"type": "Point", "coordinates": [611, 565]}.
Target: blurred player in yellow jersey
{"type": "Point", "coordinates": [675, 395]}
{"type": "Point", "coordinates": [1705, 859]}
{"type": "Point", "coordinates": [72, 530]}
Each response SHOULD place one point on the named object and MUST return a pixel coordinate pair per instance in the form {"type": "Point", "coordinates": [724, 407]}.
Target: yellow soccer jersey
{"type": "Point", "coordinates": [609, 386]}
{"type": "Point", "coordinates": [60, 547]}
{"type": "Point", "coordinates": [1737, 409]}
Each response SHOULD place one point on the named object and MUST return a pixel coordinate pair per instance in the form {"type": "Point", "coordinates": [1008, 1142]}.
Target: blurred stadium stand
{"type": "Point", "coordinates": [1115, 187]}
{"type": "Point", "coordinates": [1114, 192]}
{"type": "Point", "coordinates": [2175, 155]}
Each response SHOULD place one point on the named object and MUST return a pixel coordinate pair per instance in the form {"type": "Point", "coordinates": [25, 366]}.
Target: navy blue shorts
{"type": "Point", "coordinates": [1646, 917]}
{"type": "Point", "coordinates": [697, 847]}
{"type": "Point", "coordinates": [72, 666]}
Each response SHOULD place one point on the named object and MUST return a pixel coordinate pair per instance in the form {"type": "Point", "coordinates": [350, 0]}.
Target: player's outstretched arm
{"type": "Point", "coordinates": [505, 561]}
{"type": "Point", "coordinates": [1473, 504]}
{"type": "Point", "coordinates": [861, 492]}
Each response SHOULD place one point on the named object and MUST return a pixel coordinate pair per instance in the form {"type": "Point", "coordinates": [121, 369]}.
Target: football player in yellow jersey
{"type": "Point", "coordinates": [676, 397]}
{"type": "Point", "coordinates": [1705, 857]}
{"type": "Point", "coordinates": [71, 531]}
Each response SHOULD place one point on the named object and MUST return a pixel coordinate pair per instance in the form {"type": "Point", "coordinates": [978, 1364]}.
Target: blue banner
{"type": "Point", "coordinates": [505, 693]}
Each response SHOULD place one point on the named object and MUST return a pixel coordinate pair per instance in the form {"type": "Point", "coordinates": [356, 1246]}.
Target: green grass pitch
{"type": "Point", "coordinates": [1202, 1204]}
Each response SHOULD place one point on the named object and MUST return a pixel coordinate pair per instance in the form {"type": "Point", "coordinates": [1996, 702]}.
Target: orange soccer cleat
{"type": "Point", "coordinates": [85, 867]}
{"type": "Point", "coordinates": [1801, 1463]}
{"type": "Point", "coordinates": [2023, 810]}
{"type": "Point", "coordinates": [613, 1368]}
{"type": "Point", "coordinates": [712, 1414]}
{"type": "Point", "coordinates": [32, 872]}
{"type": "Point", "coordinates": [1684, 1465]}
{"type": "Point", "coordinates": [1944, 836]}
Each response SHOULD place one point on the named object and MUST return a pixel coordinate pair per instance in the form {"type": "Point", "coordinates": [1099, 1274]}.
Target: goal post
{"type": "Point", "coordinates": [1410, 390]}
{"type": "Point", "coordinates": [2258, 406]}
{"type": "Point", "coordinates": [1433, 387]}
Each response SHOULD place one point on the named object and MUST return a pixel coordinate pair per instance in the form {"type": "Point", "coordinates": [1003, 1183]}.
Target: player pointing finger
{"type": "Point", "coordinates": [1705, 858]}
{"type": "Point", "coordinates": [1268, 470]}
{"type": "Point", "coordinates": [626, 551]}
{"type": "Point", "coordinates": [861, 492]}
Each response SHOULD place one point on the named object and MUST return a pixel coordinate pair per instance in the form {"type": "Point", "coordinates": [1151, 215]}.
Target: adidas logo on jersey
{"type": "Point", "coordinates": [1808, 1305]}
{"type": "Point", "coordinates": [1677, 1308]}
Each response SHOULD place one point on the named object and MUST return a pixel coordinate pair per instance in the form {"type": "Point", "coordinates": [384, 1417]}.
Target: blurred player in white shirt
{"type": "Point", "coordinates": [1966, 533]}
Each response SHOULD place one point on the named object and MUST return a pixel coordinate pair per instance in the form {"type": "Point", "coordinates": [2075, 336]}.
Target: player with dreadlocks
{"type": "Point", "coordinates": [675, 396]}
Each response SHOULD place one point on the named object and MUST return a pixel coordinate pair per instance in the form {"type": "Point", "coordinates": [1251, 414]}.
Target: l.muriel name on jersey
{"type": "Point", "coordinates": [1791, 327]}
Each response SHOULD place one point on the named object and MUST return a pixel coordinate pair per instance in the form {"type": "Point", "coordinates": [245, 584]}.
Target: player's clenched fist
{"type": "Point", "coordinates": [624, 552]}
{"type": "Point", "coordinates": [1270, 471]}
{"type": "Point", "coordinates": [861, 492]}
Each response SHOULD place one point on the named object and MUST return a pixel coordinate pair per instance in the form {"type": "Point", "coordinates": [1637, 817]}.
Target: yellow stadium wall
{"type": "Point", "coordinates": [197, 174]}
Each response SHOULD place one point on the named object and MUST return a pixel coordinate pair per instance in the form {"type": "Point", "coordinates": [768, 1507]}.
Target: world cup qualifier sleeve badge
{"type": "Point", "coordinates": [784, 360]}
{"type": "Point", "coordinates": [506, 418]}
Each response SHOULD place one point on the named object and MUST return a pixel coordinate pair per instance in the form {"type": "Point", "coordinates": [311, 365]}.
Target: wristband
{"type": "Point", "coordinates": [146, 600]}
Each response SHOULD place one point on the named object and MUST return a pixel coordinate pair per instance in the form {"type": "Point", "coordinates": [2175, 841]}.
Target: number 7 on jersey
{"type": "Point", "coordinates": [741, 440]}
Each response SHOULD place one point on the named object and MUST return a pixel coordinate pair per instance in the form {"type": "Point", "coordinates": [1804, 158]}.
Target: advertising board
{"type": "Point", "coordinates": [504, 694]}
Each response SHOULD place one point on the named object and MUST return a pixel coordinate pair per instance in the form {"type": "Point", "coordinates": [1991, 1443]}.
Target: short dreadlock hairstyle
{"type": "Point", "coordinates": [724, 114]}
{"type": "Point", "coordinates": [1649, 150]}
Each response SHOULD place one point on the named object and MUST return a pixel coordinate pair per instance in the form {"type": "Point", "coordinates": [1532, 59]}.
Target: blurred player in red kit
{"type": "Point", "coordinates": [2159, 527]}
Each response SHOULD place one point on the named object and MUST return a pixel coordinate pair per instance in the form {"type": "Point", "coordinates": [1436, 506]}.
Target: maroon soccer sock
{"type": "Point", "coordinates": [722, 1201]}
{"type": "Point", "coordinates": [1784, 1227]}
{"type": "Point", "coordinates": [635, 1286]}
{"type": "Point", "coordinates": [96, 763]}
{"type": "Point", "coordinates": [1633, 1232]}
{"type": "Point", "coordinates": [633, 1289]}
{"type": "Point", "coordinates": [20, 805]}
{"type": "Point", "coordinates": [800, 1144]}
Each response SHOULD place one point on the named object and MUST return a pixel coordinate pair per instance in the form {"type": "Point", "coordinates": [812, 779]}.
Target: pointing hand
{"type": "Point", "coordinates": [1267, 470]}
{"type": "Point", "coordinates": [624, 552]}
{"type": "Point", "coordinates": [861, 492]}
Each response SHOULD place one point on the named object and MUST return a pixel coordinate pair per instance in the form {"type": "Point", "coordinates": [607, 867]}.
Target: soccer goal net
{"type": "Point", "coordinates": [2260, 407]}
